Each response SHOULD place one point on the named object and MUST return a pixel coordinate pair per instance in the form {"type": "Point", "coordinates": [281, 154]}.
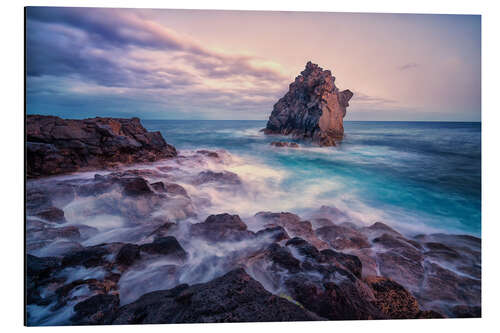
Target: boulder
{"type": "Point", "coordinates": [312, 109]}
{"type": "Point", "coordinates": [41, 267]}
{"type": "Point", "coordinates": [223, 177]}
{"type": "Point", "coordinates": [88, 257]}
{"type": "Point", "coordinates": [208, 153]}
{"type": "Point", "coordinates": [221, 227]}
{"type": "Point", "coordinates": [51, 214]}
{"type": "Point", "coordinates": [167, 246]}
{"type": "Point", "coordinates": [343, 299]}
{"type": "Point", "coordinates": [233, 297]}
{"type": "Point", "coordinates": [276, 233]}
{"type": "Point", "coordinates": [294, 226]}
{"type": "Point", "coordinates": [55, 145]}
{"type": "Point", "coordinates": [128, 254]}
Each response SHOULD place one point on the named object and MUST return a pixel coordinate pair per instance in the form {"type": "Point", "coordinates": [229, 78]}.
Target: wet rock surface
{"type": "Point", "coordinates": [56, 145]}
{"type": "Point", "coordinates": [234, 297]}
{"type": "Point", "coordinates": [284, 144]}
{"type": "Point", "coordinates": [143, 245]}
{"type": "Point", "coordinates": [312, 109]}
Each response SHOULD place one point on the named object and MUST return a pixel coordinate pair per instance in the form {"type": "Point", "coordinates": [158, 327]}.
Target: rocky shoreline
{"type": "Point", "coordinates": [140, 243]}
{"type": "Point", "coordinates": [56, 146]}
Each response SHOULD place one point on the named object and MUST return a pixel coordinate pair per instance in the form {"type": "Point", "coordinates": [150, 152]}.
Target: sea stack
{"type": "Point", "coordinates": [312, 109]}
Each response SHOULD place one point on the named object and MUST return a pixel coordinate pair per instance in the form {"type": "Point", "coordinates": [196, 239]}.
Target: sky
{"type": "Point", "coordinates": [198, 64]}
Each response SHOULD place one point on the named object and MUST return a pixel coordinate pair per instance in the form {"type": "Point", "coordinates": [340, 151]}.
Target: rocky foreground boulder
{"type": "Point", "coordinates": [313, 108]}
{"type": "Point", "coordinates": [233, 297]}
{"type": "Point", "coordinates": [55, 145]}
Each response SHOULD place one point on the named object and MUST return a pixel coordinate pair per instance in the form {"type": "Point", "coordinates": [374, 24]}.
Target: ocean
{"type": "Point", "coordinates": [419, 177]}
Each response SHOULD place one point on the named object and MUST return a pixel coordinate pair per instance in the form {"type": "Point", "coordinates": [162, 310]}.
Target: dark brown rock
{"type": "Point", "coordinates": [345, 300]}
{"type": "Point", "coordinates": [405, 271]}
{"type": "Point", "coordinates": [41, 267]}
{"type": "Point", "coordinates": [52, 214]}
{"type": "Point", "coordinates": [135, 186]}
{"type": "Point", "coordinates": [313, 108]}
{"type": "Point", "coordinates": [429, 314]}
{"type": "Point", "coordinates": [128, 254]}
{"type": "Point", "coordinates": [282, 257]}
{"type": "Point", "coordinates": [304, 248]}
{"type": "Point", "coordinates": [95, 310]}
{"type": "Point", "coordinates": [393, 299]}
{"type": "Point", "coordinates": [48, 233]}
{"type": "Point", "coordinates": [88, 257]}
{"type": "Point", "coordinates": [293, 225]}
{"type": "Point", "coordinates": [221, 227]}
{"type": "Point", "coordinates": [56, 145]}
{"type": "Point", "coordinates": [276, 233]}
{"type": "Point", "coordinates": [349, 261]}
{"type": "Point", "coordinates": [341, 237]}
{"type": "Point", "coordinates": [208, 153]}
{"type": "Point", "coordinates": [465, 311]}
{"type": "Point", "coordinates": [233, 297]}
{"type": "Point", "coordinates": [167, 246]}
{"type": "Point", "coordinates": [399, 245]}
{"type": "Point", "coordinates": [284, 144]}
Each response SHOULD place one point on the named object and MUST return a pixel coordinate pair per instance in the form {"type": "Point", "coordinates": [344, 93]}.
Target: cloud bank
{"type": "Point", "coordinates": [116, 62]}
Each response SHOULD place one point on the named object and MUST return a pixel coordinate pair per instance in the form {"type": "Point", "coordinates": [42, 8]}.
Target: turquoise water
{"type": "Point", "coordinates": [418, 176]}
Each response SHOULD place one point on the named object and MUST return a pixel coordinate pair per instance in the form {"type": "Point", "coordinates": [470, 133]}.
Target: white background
{"type": "Point", "coordinates": [12, 172]}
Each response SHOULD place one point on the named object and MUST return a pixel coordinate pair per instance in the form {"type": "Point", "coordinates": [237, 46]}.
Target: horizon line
{"type": "Point", "coordinates": [387, 121]}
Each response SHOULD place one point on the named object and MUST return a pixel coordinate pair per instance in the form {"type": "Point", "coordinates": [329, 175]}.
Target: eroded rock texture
{"type": "Point", "coordinates": [313, 108]}
{"type": "Point", "coordinates": [55, 145]}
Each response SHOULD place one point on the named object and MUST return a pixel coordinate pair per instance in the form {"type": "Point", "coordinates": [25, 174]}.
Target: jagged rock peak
{"type": "Point", "coordinates": [312, 109]}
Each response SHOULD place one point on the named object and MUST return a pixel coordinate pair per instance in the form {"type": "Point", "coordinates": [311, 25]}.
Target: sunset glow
{"type": "Point", "coordinates": [189, 64]}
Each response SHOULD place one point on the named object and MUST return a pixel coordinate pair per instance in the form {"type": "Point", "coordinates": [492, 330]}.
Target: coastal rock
{"type": "Point", "coordinates": [128, 254]}
{"type": "Point", "coordinates": [221, 227]}
{"type": "Point", "coordinates": [88, 257]}
{"type": "Point", "coordinates": [341, 300]}
{"type": "Point", "coordinates": [341, 237]}
{"type": "Point", "coordinates": [167, 246]}
{"type": "Point", "coordinates": [392, 299]}
{"type": "Point", "coordinates": [349, 261]}
{"type": "Point", "coordinates": [55, 145]}
{"type": "Point", "coordinates": [95, 309]}
{"type": "Point", "coordinates": [224, 177]}
{"type": "Point", "coordinates": [233, 297]}
{"type": "Point", "coordinates": [282, 257]}
{"type": "Point", "coordinates": [51, 214]}
{"type": "Point", "coordinates": [284, 144]}
{"type": "Point", "coordinates": [293, 225]}
{"type": "Point", "coordinates": [313, 108]}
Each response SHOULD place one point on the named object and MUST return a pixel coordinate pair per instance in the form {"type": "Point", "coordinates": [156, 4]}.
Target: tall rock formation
{"type": "Point", "coordinates": [313, 108]}
{"type": "Point", "coordinates": [55, 145]}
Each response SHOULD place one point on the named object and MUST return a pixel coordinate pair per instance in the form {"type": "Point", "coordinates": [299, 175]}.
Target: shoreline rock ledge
{"type": "Point", "coordinates": [56, 146]}
{"type": "Point", "coordinates": [312, 109]}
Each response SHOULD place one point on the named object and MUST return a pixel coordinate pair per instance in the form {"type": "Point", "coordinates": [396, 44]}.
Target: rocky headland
{"type": "Point", "coordinates": [55, 145]}
{"type": "Point", "coordinates": [313, 108]}
{"type": "Point", "coordinates": [142, 244]}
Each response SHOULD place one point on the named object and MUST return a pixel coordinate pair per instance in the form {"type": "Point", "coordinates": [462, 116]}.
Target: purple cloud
{"type": "Point", "coordinates": [111, 52]}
